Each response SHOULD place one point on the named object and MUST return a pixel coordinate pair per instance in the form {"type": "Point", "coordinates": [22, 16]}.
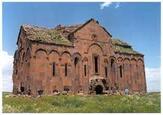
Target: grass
{"type": "Point", "coordinates": [83, 104]}
{"type": "Point", "coordinates": [123, 47]}
{"type": "Point", "coordinates": [48, 36]}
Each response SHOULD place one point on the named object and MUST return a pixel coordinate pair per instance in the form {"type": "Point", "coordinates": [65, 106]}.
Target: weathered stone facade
{"type": "Point", "coordinates": [81, 58]}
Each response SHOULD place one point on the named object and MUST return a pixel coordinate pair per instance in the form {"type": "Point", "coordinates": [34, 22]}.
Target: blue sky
{"type": "Point", "coordinates": [136, 23]}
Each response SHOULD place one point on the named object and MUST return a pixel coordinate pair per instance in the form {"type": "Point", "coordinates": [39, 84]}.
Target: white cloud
{"type": "Point", "coordinates": [107, 4]}
{"type": "Point", "coordinates": [117, 5]}
{"type": "Point", "coordinates": [6, 65]}
{"type": "Point", "coordinates": [153, 79]}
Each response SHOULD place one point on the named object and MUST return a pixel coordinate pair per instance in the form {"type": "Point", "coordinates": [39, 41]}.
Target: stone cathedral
{"type": "Point", "coordinates": [77, 58]}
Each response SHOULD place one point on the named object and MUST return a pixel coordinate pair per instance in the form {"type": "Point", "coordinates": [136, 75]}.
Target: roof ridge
{"type": "Point", "coordinates": [120, 42]}
{"type": "Point", "coordinates": [33, 26]}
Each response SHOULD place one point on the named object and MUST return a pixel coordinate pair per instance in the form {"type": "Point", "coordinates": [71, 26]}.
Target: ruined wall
{"type": "Point", "coordinates": [43, 68]}
{"type": "Point", "coordinates": [21, 64]}
{"type": "Point", "coordinates": [133, 72]}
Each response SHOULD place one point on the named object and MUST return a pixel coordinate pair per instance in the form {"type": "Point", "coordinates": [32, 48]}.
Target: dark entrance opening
{"type": "Point", "coordinates": [99, 89]}
{"type": "Point", "coordinates": [40, 92]}
{"type": "Point", "coordinates": [22, 89]}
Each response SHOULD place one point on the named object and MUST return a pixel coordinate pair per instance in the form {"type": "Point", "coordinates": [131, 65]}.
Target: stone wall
{"type": "Point", "coordinates": [42, 68]}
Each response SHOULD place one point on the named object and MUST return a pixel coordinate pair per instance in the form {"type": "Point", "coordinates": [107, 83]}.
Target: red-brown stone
{"type": "Point", "coordinates": [87, 62]}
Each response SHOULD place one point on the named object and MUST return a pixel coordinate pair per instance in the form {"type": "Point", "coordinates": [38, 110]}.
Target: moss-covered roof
{"type": "Point", "coordinates": [123, 47]}
{"type": "Point", "coordinates": [45, 35]}
{"type": "Point", "coordinates": [66, 30]}
{"type": "Point", "coordinates": [120, 42]}
{"type": "Point", "coordinates": [59, 35]}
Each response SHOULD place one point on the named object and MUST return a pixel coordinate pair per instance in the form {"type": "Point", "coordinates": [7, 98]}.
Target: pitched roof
{"type": "Point", "coordinates": [59, 35]}
{"type": "Point", "coordinates": [45, 35]}
{"type": "Point", "coordinates": [81, 26]}
{"type": "Point", "coordinates": [66, 30]}
{"type": "Point", "coordinates": [123, 47]}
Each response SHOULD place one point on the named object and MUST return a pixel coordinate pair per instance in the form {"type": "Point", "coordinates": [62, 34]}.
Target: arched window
{"type": "Point", "coordinates": [112, 62]}
{"type": "Point", "coordinates": [77, 66]}
{"type": "Point", "coordinates": [66, 69]}
{"type": "Point", "coordinates": [112, 65]}
{"type": "Point", "coordinates": [106, 67]}
{"type": "Point", "coordinates": [85, 70]}
{"type": "Point", "coordinates": [76, 61]}
{"type": "Point", "coordinates": [53, 68]}
{"type": "Point", "coordinates": [120, 70]}
{"type": "Point", "coordinates": [96, 62]}
{"type": "Point", "coordinates": [85, 66]}
{"type": "Point", "coordinates": [106, 71]}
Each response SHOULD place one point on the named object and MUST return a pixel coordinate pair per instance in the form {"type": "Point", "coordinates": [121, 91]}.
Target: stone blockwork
{"type": "Point", "coordinates": [80, 58]}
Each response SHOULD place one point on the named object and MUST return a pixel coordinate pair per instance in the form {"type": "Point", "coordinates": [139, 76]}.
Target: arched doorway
{"type": "Point", "coordinates": [77, 66]}
{"type": "Point", "coordinates": [99, 89]}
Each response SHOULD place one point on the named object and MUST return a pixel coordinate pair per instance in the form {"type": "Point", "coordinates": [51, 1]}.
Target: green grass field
{"type": "Point", "coordinates": [83, 104]}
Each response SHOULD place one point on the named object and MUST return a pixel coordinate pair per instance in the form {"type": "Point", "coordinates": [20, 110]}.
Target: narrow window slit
{"type": "Point", "coordinates": [96, 64]}
{"type": "Point", "coordinates": [66, 69]}
{"type": "Point", "coordinates": [53, 66]}
{"type": "Point", "coordinates": [85, 70]}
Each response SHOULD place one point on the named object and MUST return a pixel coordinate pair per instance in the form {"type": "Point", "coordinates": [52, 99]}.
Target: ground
{"type": "Point", "coordinates": [83, 104]}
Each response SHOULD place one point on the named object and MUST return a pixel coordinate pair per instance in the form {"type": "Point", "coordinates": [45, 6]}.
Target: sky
{"type": "Point", "coordinates": [135, 23]}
